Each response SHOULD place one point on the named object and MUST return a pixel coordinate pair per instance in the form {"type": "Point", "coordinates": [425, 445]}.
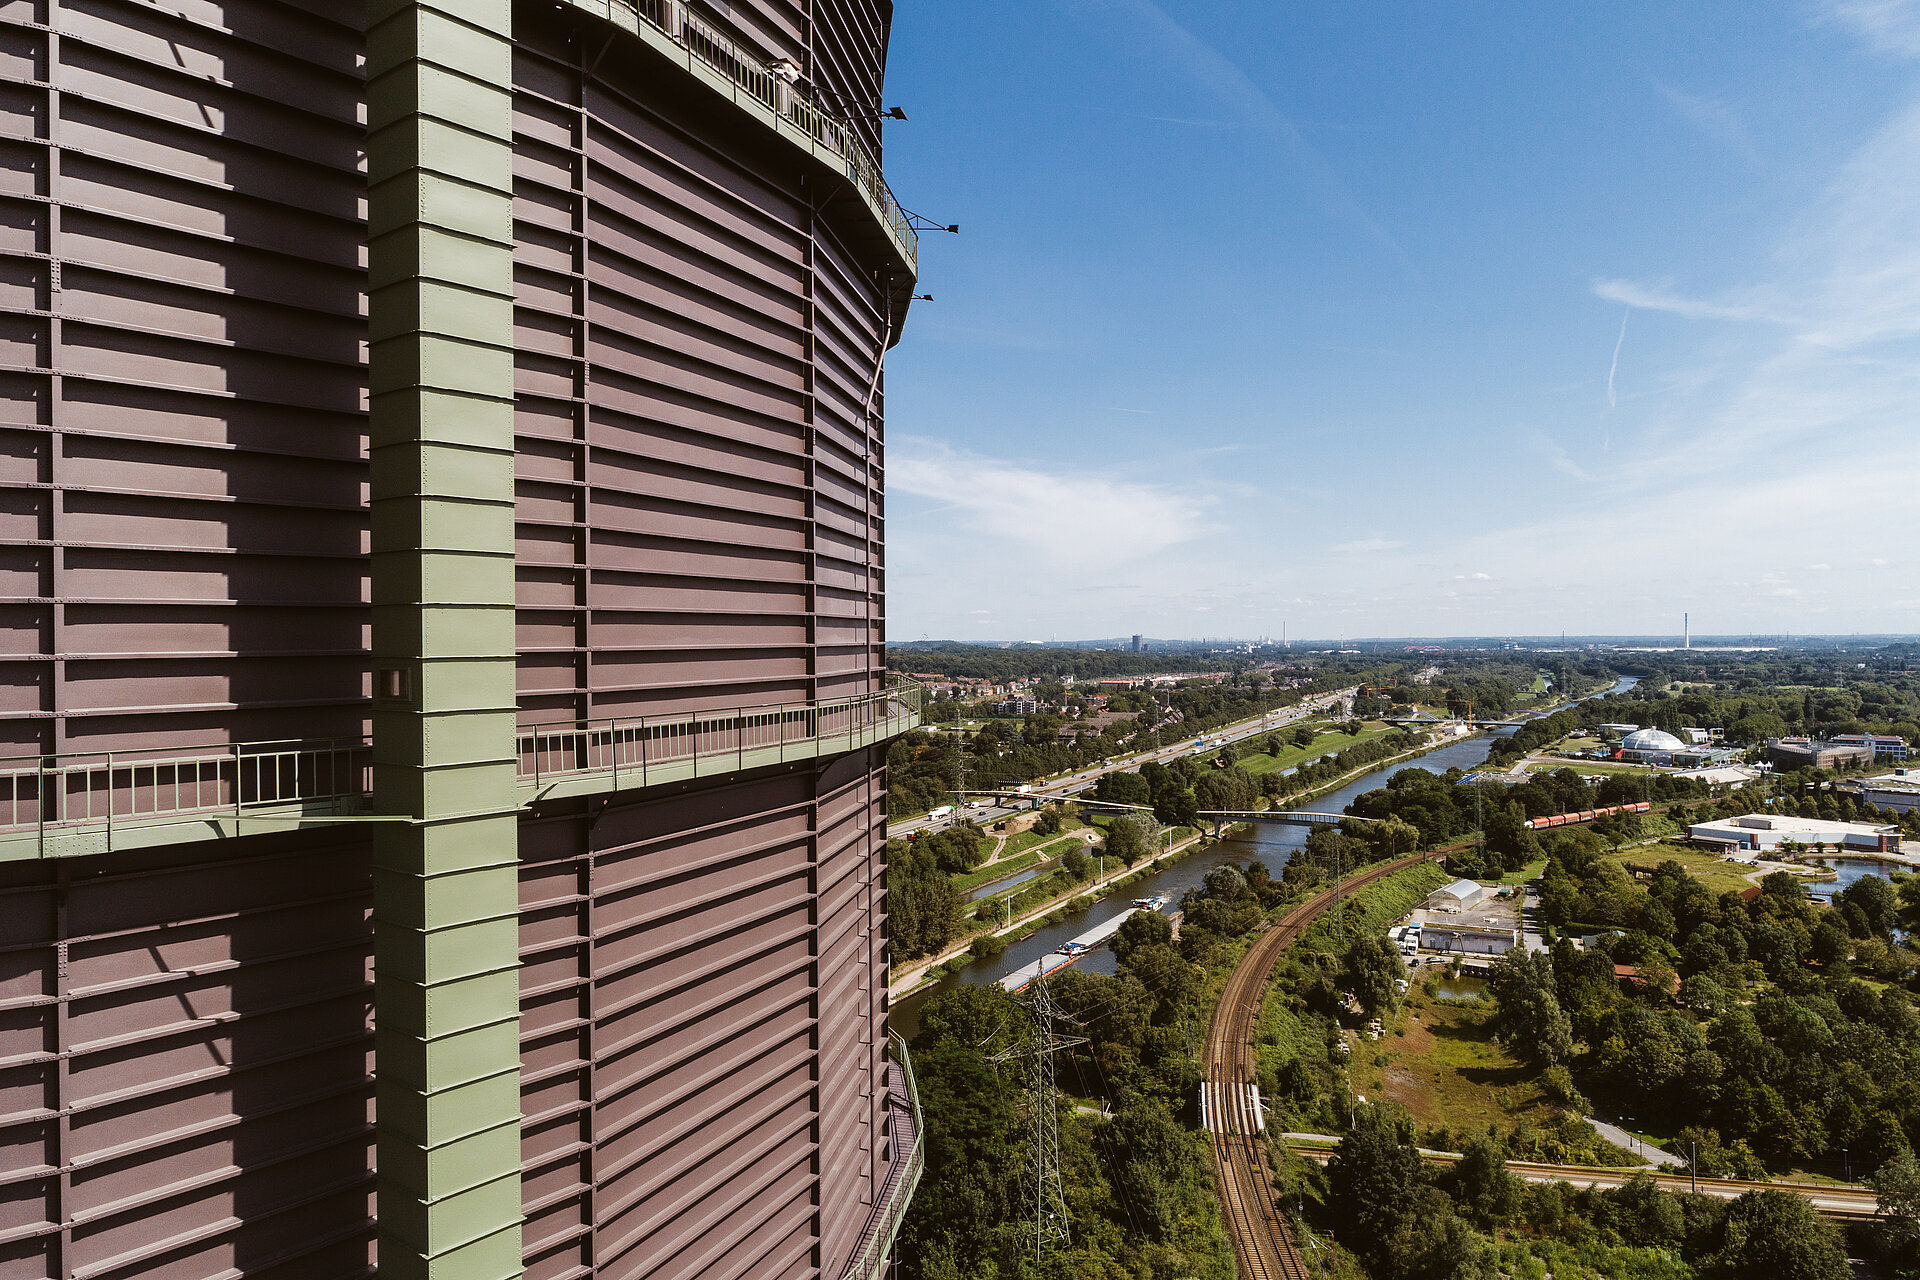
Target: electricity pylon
{"type": "Point", "coordinates": [1043, 1192]}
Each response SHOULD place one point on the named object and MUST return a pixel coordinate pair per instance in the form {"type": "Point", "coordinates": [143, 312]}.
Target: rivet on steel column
{"type": "Point", "coordinates": [440, 319]}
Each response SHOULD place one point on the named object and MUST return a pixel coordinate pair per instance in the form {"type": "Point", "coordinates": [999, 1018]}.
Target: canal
{"type": "Point", "coordinates": [1272, 843]}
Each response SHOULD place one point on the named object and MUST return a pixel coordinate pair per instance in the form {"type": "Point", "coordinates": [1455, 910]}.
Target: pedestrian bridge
{"type": "Point", "coordinates": [1302, 817]}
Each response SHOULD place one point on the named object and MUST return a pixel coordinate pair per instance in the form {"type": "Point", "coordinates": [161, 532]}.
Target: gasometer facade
{"type": "Point", "coordinates": [442, 581]}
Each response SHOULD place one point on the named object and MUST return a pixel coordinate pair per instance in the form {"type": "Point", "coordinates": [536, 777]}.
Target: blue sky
{"type": "Point", "coordinates": [1407, 319]}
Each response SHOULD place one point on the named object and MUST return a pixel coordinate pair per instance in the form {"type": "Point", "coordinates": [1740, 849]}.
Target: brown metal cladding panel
{"type": "Point", "coordinates": [780, 1246]}
{"type": "Point", "coordinates": [252, 429]}
{"type": "Point", "coordinates": [210, 1013]}
{"type": "Point", "coordinates": [210, 214]}
{"type": "Point", "coordinates": [617, 555]}
{"type": "Point", "coordinates": [742, 1190]}
{"type": "Point", "coordinates": [640, 514]}
{"type": "Point", "coordinates": [162, 630]}
{"type": "Point", "coordinates": [159, 687]}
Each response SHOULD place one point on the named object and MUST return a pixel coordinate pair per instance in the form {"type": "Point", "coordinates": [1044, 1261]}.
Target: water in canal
{"type": "Point", "coordinates": [1272, 843]}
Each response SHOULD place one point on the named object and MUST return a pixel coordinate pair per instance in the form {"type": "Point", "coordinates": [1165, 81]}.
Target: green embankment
{"type": "Point", "coordinates": [1327, 744]}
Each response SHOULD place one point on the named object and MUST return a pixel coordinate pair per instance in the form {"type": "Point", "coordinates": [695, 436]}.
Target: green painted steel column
{"type": "Point", "coordinates": [440, 320]}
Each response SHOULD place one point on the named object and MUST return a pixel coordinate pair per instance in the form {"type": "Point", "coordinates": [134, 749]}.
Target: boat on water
{"type": "Point", "coordinates": [1157, 902]}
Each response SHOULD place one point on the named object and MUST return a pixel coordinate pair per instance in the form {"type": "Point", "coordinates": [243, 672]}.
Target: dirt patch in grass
{"type": "Point", "coordinates": [1449, 1072]}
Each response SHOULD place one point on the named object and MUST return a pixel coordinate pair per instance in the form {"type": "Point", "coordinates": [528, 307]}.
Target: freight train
{"type": "Point", "coordinates": [1585, 815]}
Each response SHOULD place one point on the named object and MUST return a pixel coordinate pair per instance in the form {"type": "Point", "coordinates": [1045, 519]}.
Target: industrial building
{"type": "Point", "coordinates": [1885, 746]}
{"type": "Point", "coordinates": [1765, 832]}
{"type": "Point", "coordinates": [1898, 792]}
{"type": "Point", "coordinates": [1812, 753]}
{"type": "Point", "coordinates": [1461, 895]}
{"type": "Point", "coordinates": [445, 612]}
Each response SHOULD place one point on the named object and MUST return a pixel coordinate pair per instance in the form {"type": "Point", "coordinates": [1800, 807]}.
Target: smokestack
{"type": "Point", "coordinates": [1686, 630]}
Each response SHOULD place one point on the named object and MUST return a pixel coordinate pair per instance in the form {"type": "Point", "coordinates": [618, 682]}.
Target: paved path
{"type": "Point", "coordinates": [1627, 1142]}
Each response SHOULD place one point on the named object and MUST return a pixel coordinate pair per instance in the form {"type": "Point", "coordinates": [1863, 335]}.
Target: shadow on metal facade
{"type": "Point", "coordinates": [187, 1049]}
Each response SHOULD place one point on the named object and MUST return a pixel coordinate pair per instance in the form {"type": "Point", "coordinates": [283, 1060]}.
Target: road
{"type": "Point", "coordinates": [1834, 1200]}
{"type": "Point", "coordinates": [1074, 784]}
{"type": "Point", "coordinates": [1627, 1142]}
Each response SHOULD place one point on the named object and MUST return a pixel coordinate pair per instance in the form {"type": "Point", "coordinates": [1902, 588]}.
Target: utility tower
{"type": "Point", "coordinates": [957, 760]}
{"type": "Point", "coordinates": [1043, 1193]}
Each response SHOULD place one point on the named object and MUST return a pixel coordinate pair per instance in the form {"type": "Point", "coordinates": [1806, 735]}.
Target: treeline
{"type": "Point", "coordinates": [1182, 788]}
{"type": "Point", "coordinates": [1756, 699]}
{"type": "Point", "coordinates": [987, 662]}
{"type": "Point", "coordinates": [925, 768]}
{"type": "Point", "coordinates": [1407, 1220]}
{"type": "Point", "coordinates": [1442, 808]}
{"type": "Point", "coordinates": [1773, 1029]}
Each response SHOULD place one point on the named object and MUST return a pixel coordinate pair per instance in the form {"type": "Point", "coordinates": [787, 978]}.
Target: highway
{"type": "Point", "coordinates": [1074, 784]}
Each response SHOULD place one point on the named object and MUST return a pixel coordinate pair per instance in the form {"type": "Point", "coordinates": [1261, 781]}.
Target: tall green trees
{"type": "Point", "coordinates": [1532, 1022]}
{"type": "Point", "coordinates": [923, 907]}
{"type": "Point", "coordinates": [1776, 1235]}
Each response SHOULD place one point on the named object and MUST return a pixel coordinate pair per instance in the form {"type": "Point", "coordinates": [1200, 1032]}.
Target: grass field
{"type": "Point", "coordinates": [1025, 840]}
{"type": "Point", "coordinates": [1584, 766]}
{"type": "Point", "coordinates": [1718, 876]}
{"type": "Point", "coordinates": [1449, 1071]}
{"type": "Point", "coordinates": [1326, 744]}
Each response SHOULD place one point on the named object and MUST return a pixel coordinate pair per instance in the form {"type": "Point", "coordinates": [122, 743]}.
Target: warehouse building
{"type": "Point", "coordinates": [445, 609]}
{"type": "Point", "coordinates": [1461, 895]}
{"type": "Point", "coordinates": [1765, 832]}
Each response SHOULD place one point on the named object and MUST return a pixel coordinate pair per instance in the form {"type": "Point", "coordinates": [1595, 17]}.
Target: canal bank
{"type": "Point", "coordinates": [1274, 844]}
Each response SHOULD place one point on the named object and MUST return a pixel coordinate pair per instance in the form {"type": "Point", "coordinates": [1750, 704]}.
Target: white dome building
{"type": "Point", "coordinates": [1652, 746]}
{"type": "Point", "coordinates": [1651, 740]}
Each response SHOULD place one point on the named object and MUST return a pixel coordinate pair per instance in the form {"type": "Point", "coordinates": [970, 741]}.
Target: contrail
{"type": "Point", "coordinates": [1618, 343]}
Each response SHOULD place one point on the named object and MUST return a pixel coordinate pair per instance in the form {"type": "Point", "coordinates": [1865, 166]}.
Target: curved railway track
{"type": "Point", "coordinates": [1263, 1243]}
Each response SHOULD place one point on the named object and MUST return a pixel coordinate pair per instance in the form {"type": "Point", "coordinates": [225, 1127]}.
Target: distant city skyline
{"type": "Point", "coordinates": [1408, 322]}
{"type": "Point", "coordinates": [1702, 643]}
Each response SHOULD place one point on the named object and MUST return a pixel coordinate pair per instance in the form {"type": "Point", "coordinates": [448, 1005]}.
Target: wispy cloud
{"type": "Point", "coordinates": [1713, 118]}
{"type": "Point", "coordinates": [1061, 520]}
{"type": "Point", "coordinates": [1655, 298]}
{"type": "Point", "coordinates": [1221, 77]}
{"type": "Point", "coordinates": [1892, 26]}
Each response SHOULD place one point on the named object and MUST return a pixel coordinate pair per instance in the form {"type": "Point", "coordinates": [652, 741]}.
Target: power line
{"type": "Point", "coordinates": [1044, 1194]}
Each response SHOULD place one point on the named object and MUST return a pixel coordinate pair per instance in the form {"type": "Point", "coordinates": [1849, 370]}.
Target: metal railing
{"type": "Point", "coordinates": [57, 795]}
{"type": "Point", "coordinates": [77, 803]}
{"type": "Point", "coordinates": [883, 1226]}
{"type": "Point", "coordinates": [752, 75]}
{"type": "Point", "coordinates": [634, 751]}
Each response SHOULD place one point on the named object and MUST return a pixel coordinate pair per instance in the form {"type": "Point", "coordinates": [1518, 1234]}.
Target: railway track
{"type": "Point", "coordinates": [1263, 1241]}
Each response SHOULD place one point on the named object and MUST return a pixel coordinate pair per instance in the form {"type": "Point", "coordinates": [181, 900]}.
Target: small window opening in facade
{"type": "Point", "coordinates": [393, 684]}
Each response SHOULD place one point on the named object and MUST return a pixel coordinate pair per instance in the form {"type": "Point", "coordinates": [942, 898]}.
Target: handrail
{"type": "Point", "coordinates": [760, 81]}
{"type": "Point", "coordinates": [883, 1225]}
{"type": "Point", "coordinates": [56, 795]}
{"type": "Point", "coordinates": [635, 751]}
{"type": "Point", "coordinates": [83, 802]}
